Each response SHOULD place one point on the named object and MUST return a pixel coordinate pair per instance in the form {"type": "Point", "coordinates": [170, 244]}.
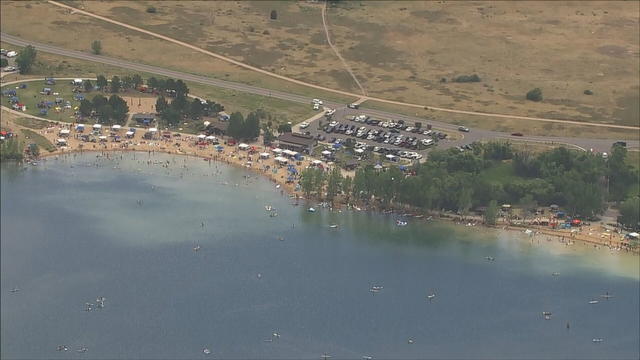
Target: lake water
{"type": "Point", "coordinates": [80, 227]}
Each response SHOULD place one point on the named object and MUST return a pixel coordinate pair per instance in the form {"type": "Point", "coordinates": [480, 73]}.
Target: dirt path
{"type": "Point", "coordinates": [335, 49]}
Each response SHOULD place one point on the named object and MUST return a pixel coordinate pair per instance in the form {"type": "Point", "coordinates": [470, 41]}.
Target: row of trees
{"type": "Point", "coordinates": [116, 84]}
{"type": "Point", "coordinates": [113, 110]}
{"type": "Point", "coordinates": [580, 182]}
{"type": "Point", "coordinates": [26, 58]}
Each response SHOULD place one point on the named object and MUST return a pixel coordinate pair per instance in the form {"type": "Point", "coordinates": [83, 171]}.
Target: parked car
{"type": "Point", "coordinates": [517, 134]}
{"type": "Point", "coordinates": [304, 125]}
{"type": "Point", "coordinates": [353, 106]}
{"type": "Point", "coordinates": [463, 129]}
{"type": "Point", "coordinates": [10, 68]}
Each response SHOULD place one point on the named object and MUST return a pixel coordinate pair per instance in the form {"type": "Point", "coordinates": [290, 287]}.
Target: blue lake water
{"type": "Point", "coordinates": [79, 227]}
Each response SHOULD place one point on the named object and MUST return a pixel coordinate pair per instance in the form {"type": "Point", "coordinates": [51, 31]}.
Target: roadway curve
{"type": "Point", "coordinates": [341, 111]}
{"type": "Point", "coordinates": [299, 82]}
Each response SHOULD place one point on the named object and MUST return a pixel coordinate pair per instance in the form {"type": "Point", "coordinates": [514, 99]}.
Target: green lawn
{"type": "Point", "coordinates": [41, 141]}
{"type": "Point", "coordinates": [282, 110]}
{"type": "Point", "coordinates": [30, 96]}
{"type": "Point", "coordinates": [31, 123]}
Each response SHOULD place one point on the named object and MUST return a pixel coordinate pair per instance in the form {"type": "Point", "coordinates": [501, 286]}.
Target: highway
{"type": "Point", "coordinates": [600, 145]}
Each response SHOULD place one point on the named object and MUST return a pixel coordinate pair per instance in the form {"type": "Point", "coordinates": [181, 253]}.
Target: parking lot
{"type": "Point", "coordinates": [384, 136]}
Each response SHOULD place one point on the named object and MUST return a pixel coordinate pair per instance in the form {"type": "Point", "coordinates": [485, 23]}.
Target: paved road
{"type": "Point", "coordinates": [341, 110]}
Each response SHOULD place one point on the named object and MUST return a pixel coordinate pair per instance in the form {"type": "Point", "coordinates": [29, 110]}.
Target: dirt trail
{"type": "Point", "coordinates": [335, 49]}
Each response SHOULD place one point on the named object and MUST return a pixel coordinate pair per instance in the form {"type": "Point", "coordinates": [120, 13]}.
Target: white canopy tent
{"type": "Point", "coordinates": [281, 160]}
{"type": "Point", "coordinates": [211, 137]}
{"type": "Point", "coordinates": [243, 146]}
{"type": "Point", "coordinates": [116, 127]}
{"type": "Point", "coordinates": [80, 127]}
{"type": "Point", "coordinates": [264, 155]}
{"type": "Point", "coordinates": [277, 150]}
{"type": "Point", "coordinates": [326, 152]}
{"type": "Point", "coordinates": [391, 157]}
{"type": "Point", "coordinates": [206, 123]}
{"type": "Point", "coordinates": [61, 141]}
{"type": "Point", "coordinates": [316, 162]}
{"type": "Point", "coordinates": [202, 136]}
{"type": "Point", "coordinates": [97, 126]}
{"type": "Point", "coordinates": [359, 151]}
{"type": "Point", "coordinates": [64, 132]}
{"type": "Point", "coordinates": [129, 133]}
{"type": "Point", "coordinates": [290, 152]}
{"type": "Point", "coordinates": [153, 130]}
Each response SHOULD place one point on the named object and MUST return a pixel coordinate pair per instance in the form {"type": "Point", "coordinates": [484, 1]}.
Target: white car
{"type": "Point", "coordinates": [316, 107]}
{"type": "Point", "coordinates": [9, 68]}
{"type": "Point", "coordinates": [12, 54]}
{"type": "Point", "coordinates": [304, 125]}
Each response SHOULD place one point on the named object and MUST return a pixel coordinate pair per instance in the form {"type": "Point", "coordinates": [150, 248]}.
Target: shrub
{"type": "Point", "coordinates": [467, 78]}
{"type": "Point", "coordinates": [274, 15]}
{"type": "Point", "coordinates": [588, 92]}
{"type": "Point", "coordinates": [151, 10]}
{"type": "Point", "coordinates": [534, 95]}
{"type": "Point", "coordinates": [4, 62]}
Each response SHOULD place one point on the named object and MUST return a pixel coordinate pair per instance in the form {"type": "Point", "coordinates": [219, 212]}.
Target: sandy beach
{"type": "Point", "coordinates": [595, 235]}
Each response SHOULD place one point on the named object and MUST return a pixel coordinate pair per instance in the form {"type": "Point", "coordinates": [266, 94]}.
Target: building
{"type": "Point", "coordinates": [297, 142]}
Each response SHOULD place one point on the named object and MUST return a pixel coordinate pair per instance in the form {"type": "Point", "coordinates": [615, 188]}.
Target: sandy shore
{"type": "Point", "coordinates": [185, 144]}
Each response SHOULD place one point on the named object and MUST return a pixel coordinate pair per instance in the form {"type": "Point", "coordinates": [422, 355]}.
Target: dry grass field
{"type": "Point", "coordinates": [399, 50]}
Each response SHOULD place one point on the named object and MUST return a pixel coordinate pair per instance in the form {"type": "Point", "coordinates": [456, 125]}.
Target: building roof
{"type": "Point", "coordinates": [297, 139]}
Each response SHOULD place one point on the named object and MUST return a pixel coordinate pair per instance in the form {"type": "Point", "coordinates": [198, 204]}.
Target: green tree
{"type": "Point", "coordinates": [491, 214]}
{"type": "Point", "coordinates": [85, 107]}
{"type": "Point", "coordinates": [126, 82]}
{"type": "Point", "coordinates": [180, 104]}
{"type": "Point", "coordinates": [96, 47]}
{"type": "Point", "coordinates": [319, 181]}
{"type": "Point", "coordinates": [284, 128]}
{"type": "Point", "coordinates": [152, 82]}
{"type": "Point", "coordinates": [534, 95]}
{"type": "Point", "coordinates": [274, 15]}
{"type": "Point", "coordinates": [4, 62]}
{"type": "Point", "coordinates": [88, 85]}
{"type": "Point", "coordinates": [196, 109]}
{"type": "Point", "coordinates": [161, 104]}
{"type": "Point", "coordinates": [136, 80]}
{"type": "Point", "coordinates": [267, 135]}
{"type": "Point", "coordinates": [181, 88]}
{"type": "Point", "coordinates": [115, 84]}
{"type": "Point", "coordinates": [236, 125]}
{"type": "Point", "coordinates": [171, 116]}
{"type": "Point", "coordinates": [11, 149]}
{"type": "Point", "coordinates": [26, 58]}
{"type": "Point", "coordinates": [307, 180]}
{"type": "Point", "coordinates": [334, 184]}
{"type": "Point", "coordinates": [347, 183]}
{"type": "Point", "coordinates": [120, 109]}
{"type": "Point", "coordinates": [630, 213]}
{"type": "Point", "coordinates": [251, 128]}
{"type": "Point", "coordinates": [98, 101]}
{"type": "Point", "coordinates": [101, 82]}
{"type": "Point", "coordinates": [621, 176]}
{"type": "Point", "coordinates": [105, 112]}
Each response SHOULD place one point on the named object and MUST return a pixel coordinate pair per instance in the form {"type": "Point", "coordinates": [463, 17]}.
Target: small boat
{"type": "Point", "coordinates": [275, 335]}
{"type": "Point", "coordinates": [206, 351]}
{"type": "Point", "coordinates": [333, 226]}
{"type": "Point", "coordinates": [490, 258]}
{"type": "Point", "coordinates": [311, 210]}
{"type": "Point", "coordinates": [367, 357]}
{"type": "Point", "coordinates": [268, 207]}
{"type": "Point", "coordinates": [82, 349]}
{"type": "Point", "coordinates": [62, 348]}
{"type": "Point", "coordinates": [555, 274]}
{"type": "Point", "coordinates": [377, 287]}
{"type": "Point", "coordinates": [278, 186]}
{"type": "Point", "coordinates": [14, 290]}
{"type": "Point", "coordinates": [593, 302]}
{"type": "Point", "coordinates": [273, 214]}
{"type": "Point", "coordinates": [268, 340]}
{"type": "Point", "coordinates": [401, 223]}
{"type": "Point", "coordinates": [546, 313]}
{"type": "Point", "coordinates": [431, 296]}
{"type": "Point", "coordinates": [410, 341]}
{"type": "Point", "coordinates": [597, 340]}
{"type": "Point", "coordinates": [196, 248]}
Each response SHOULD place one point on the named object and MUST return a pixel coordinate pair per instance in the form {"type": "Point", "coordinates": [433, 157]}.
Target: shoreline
{"type": "Point", "coordinates": [278, 175]}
